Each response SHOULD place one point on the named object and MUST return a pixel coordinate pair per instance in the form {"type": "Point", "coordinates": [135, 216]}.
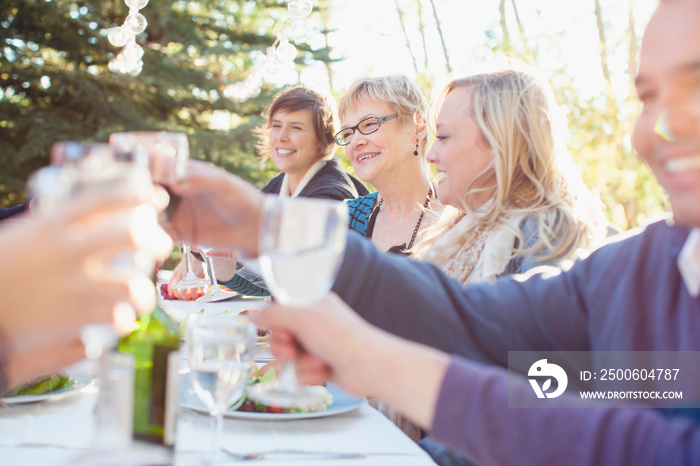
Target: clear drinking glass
{"type": "Point", "coordinates": [301, 248]}
{"type": "Point", "coordinates": [165, 154]}
{"type": "Point", "coordinates": [190, 280]}
{"type": "Point", "coordinates": [215, 292]}
{"type": "Point", "coordinates": [89, 155]}
{"type": "Point", "coordinates": [220, 352]}
{"type": "Point", "coordinates": [91, 168]}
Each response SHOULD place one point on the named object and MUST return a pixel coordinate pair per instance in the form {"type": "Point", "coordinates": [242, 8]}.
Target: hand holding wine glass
{"type": "Point", "coordinates": [60, 243]}
{"type": "Point", "coordinates": [217, 209]}
{"type": "Point", "coordinates": [301, 248]}
{"type": "Point", "coordinates": [97, 172]}
{"type": "Point", "coordinates": [166, 155]}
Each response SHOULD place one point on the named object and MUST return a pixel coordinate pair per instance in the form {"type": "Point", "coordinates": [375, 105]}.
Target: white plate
{"type": "Point", "coordinates": [81, 381]}
{"type": "Point", "coordinates": [342, 403]}
{"type": "Point", "coordinates": [262, 353]}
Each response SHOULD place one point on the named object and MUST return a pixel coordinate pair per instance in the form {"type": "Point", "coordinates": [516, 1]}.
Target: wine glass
{"type": "Point", "coordinates": [190, 280]}
{"type": "Point", "coordinates": [301, 247]}
{"type": "Point", "coordinates": [166, 155]}
{"type": "Point", "coordinates": [89, 155]}
{"type": "Point", "coordinates": [220, 352]}
{"type": "Point", "coordinates": [215, 292]}
{"type": "Point", "coordinates": [94, 168]}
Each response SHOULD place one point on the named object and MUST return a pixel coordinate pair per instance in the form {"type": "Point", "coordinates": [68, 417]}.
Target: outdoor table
{"type": "Point", "coordinates": [56, 432]}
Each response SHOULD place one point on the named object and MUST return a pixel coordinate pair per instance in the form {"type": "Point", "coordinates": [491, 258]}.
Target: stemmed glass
{"type": "Point", "coordinates": [215, 292]}
{"type": "Point", "coordinates": [87, 169]}
{"type": "Point", "coordinates": [166, 155]}
{"type": "Point", "coordinates": [190, 280]}
{"type": "Point", "coordinates": [301, 247]}
{"type": "Point", "coordinates": [220, 351]}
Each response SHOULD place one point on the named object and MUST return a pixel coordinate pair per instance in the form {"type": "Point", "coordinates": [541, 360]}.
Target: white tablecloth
{"type": "Point", "coordinates": [55, 432]}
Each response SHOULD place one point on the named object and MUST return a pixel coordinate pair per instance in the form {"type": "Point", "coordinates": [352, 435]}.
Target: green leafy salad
{"type": "Point", "coordinates": [247, 405]}
{"type": "Point", "coordinates": [42, 386]}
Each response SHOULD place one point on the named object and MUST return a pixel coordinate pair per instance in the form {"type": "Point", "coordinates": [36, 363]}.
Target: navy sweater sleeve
{"type": "Point", "coordinates": [415, 300]}
{"type": "Point", "coordinates": [627, 296]}
{"type": "Point", "coordinates": [472, 416]}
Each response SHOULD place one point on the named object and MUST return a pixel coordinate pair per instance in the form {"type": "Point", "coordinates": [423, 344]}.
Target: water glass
{"type": "Point", "coordinates": [220, 352]}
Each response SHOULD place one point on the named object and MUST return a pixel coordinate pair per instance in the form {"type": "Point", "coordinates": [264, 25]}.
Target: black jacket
{"type": "Point", "coordinates": [331, 182]}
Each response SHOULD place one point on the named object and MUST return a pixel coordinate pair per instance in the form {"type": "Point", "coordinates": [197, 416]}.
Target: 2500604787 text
{"type": "Point", "coordinates": [630, 374]}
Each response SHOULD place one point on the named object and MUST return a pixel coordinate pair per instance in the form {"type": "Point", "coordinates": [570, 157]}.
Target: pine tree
{"type": "Point", "coordinates": [55, 83]}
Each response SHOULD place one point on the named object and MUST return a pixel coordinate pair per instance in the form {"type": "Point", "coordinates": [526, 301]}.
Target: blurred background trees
{"type": "Point", "coordinates": [599, 126]}
{"type": "Point", "coordinates": [55, 85]}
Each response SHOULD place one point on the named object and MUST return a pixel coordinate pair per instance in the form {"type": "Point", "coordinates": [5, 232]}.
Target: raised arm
{"type": "Point", "coordinates": [417, 301]}
{"type": "Point", "coordinates": [465, 404]}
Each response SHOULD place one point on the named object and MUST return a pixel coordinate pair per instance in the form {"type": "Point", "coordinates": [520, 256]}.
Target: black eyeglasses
{"type": "Point", "coordinates": [367, 126]}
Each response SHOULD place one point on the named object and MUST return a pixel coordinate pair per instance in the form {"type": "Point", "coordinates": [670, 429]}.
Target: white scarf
{"type": "Point", "coordinates": [310, 173]}
{"type": "Point", "coordinates": [471, 253]}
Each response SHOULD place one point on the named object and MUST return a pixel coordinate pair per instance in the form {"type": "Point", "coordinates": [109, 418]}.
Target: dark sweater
{"type": "Point", "coordinates": [330, 182]}
{"type": "Point", "coordinates": [627, 296]}
{"type": "Point", "coordinates": [11, 211]}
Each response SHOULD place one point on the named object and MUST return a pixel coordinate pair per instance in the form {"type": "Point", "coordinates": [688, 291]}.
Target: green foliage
{"type": "Point", "coordinates": [600, 136]}
{"type": "Point", "coordinates": [55, 84]}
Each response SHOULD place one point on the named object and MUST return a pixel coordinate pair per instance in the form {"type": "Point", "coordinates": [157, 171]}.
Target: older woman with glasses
{"type": "Point", "coordinates": [384, 133]}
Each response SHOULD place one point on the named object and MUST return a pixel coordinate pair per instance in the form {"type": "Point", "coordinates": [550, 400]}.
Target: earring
{"type": "Point", "coordinates": [415, 152]}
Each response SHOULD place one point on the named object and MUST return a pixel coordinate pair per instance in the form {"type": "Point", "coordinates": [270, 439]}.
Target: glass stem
{"type": "Point", "coordinates": [104, 402]}
{"type": "Point", "coordinates": [188, 259]}
{"type": "Point", "coordinates": [288, 377]}
{"type": "Point", "coordinates": [210, 268]}
{"type": "Point", "coordinates": [217, 423]}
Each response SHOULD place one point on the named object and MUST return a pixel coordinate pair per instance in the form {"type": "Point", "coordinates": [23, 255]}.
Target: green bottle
{"type": "Point", "coordinates": [154, 344]}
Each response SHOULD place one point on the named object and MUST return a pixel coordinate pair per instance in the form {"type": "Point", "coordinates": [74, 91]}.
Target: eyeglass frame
{"type": "Point", "coordinates": [379, 120]}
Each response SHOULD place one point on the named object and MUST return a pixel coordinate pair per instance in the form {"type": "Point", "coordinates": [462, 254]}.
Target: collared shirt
{"type": "Point", "coordinates": [284, 191]}
{"type": "Point", "coordinates": [689, 262]}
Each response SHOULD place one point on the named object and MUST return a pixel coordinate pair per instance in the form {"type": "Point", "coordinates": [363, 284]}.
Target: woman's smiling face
{"type": "Point", "coordinates": [294, 146]}
{"type": "Point", "coordinates": [375, 154]}
{"type": "Point", "coordinates": [460, 151]}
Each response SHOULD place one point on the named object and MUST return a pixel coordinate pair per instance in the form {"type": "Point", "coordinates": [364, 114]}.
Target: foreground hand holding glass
{"type": "Point", "coordinates": [301, 248]}
{"type": "Point", "coordinates": [166, 155]}
{"type": "Point", "coordinates": [100, 169]}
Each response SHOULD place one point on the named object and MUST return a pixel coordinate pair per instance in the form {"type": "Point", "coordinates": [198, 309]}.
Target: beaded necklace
{"type": "Point", "coordinates": [420, 219]}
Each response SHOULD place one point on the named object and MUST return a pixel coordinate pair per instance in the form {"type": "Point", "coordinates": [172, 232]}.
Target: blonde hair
{"type": "Point", "coordinates": [302, 98]}
{"type": "Point", "coordinates": [534, 176]}
{"type": "Point", "coordinates": [396, 90]}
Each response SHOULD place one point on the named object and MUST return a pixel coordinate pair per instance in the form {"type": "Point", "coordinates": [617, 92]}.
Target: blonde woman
{"type": "Point", "coordinates": [515, 198]}
{"type": "Point", "coordinates": [384, 131]}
